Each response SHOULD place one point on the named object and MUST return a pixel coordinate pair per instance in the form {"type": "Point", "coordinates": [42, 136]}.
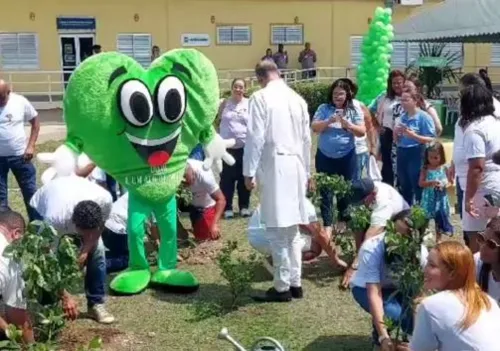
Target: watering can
{"type": "Point", "coordinates": [262, 344]}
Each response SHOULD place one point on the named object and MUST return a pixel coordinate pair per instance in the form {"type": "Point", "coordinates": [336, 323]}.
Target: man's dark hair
{"type": "Point", "coordinates": [12, 220]}
{"type": "Point", "coordinates": [472, 79]}
{"type": "Point", "coordinates": [87, 215]}
{"type": "Point", "coordinates": [96, 47]}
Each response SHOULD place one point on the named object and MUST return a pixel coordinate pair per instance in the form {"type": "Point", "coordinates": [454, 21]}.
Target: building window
{"type": "Point", "coordinates": [495, 54]}
{"type": "Point", "coordinates": [356, 43]}
{"type": "Point", "coordinates": [234, 35]}
{"type": "Point", "coordinates": [137, 46]}
{"type": "Point", "coordinates": [289, 34]}
{"type": "Point", "coordinates": [405, 54]}
{"type": "Point", "coordinates": [19, 51]}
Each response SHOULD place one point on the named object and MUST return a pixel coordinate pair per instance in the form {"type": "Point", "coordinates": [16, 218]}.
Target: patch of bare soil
{"type": "Point", "coordinates": [201, 253]}
{"type": "Point", "coordinates": [75, 336]}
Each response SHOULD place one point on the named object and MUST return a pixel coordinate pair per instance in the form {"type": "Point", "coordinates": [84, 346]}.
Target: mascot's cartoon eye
{"type": "Point", "coordinates": [135, 103]}
{"type": "Point", "coordinates": [171, 99]}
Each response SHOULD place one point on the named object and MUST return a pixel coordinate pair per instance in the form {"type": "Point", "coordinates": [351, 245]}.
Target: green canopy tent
{"type": "Point", "coordinates": [461, 21]}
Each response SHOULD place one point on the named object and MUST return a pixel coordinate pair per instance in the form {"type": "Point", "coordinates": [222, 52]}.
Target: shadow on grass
{"type": "Point", "coordinates": [340, 343]}
{"type": "Point", "coordinates": [320, 272]}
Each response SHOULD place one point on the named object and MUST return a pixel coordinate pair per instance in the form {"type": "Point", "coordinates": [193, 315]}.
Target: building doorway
{"type": "Point", "coordinates": [75, 48]}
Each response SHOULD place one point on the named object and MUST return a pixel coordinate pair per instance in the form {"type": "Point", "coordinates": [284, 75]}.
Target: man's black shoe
{"type": "Point", "coordinates": [272, 295]}
{"type": "Point", "coordinates": [297, 292]}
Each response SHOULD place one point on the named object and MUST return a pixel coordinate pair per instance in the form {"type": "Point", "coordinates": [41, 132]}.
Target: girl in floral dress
{"type": "Point", "coordinates": [433, 181]}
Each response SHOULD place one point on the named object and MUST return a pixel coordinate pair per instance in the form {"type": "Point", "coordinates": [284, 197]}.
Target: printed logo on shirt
{"type": "Point", "coordinates": [397, 111]}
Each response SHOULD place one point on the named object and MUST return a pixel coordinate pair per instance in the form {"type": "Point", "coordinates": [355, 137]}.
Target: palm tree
{"type": "Point", "coordinates": [435, 65]}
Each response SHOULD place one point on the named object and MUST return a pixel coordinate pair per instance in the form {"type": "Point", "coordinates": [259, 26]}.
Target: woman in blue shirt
{"type": "Point", "coordinates": [412, 132]}
{"type": "Point", "coordinates": [337, 123]}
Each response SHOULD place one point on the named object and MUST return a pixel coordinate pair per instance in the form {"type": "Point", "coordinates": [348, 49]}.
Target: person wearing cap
{"type": "Point", "coordinates": [313, 239]}
{"type": "Point", "coordinates": [384, 202]}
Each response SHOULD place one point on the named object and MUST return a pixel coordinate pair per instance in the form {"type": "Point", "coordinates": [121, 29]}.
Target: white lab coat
{"type": "Point", "coordinates": [278, 153]}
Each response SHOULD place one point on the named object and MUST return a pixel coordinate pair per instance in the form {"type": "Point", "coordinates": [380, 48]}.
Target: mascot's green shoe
{"type": "Point", "coordinates": [131, 282]}
{"type": "Point", "coordinates": [173, 280]}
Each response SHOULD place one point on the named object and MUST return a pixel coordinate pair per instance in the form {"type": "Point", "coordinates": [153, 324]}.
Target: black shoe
{"type": "Point", "coordinates": [297, 292]}
{"type": "Point", "coordinates": [273, 296]}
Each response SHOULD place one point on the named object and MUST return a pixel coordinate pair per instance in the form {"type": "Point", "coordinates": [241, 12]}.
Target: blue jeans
{"type": "Point", "coordinates": [394, 309]}
{"type": "Point", "coordinates": [362, 168]}
{"type": "Point", "coordinates": [25, 174]}
{"type": "Point", "coordinates": [197, 153]}
{"type": "Point", "coordinates": [117, 254]}
{"type": "Point", "coordinates": [460, 197]}
{"type": "Point", "coordinates": [95, 274]}
{"type": "Point", "coordinates": [345, 167]}
{"type": "Point", "coordinates": [409, 164]}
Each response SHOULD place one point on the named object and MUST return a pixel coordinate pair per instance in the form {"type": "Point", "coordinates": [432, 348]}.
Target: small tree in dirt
{"type": "Point", "coordinates": [49, 267]}
{"type": "Point", "coordinates": [403, 257]}
{"type": "Point", "coordinates": [239, 272]}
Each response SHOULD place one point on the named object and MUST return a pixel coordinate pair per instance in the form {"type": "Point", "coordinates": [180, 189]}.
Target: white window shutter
{"type": "Point", "coordinates": [413, 53]}
{"type": "Point", "coordinates": [356, 43]}
{"type": "Point", "coordinates": [241, 35]}
{"type": "Point", "coordinates": [137, 46]}
{"type": "Point", "coordinates": [495, 54]}
{"type": "Point", "coordinates": [292, 34]}
{"type": "Point", "coordinates": [19, 51]}
{"type": "Point", "coordinates": [399, 55]}
{"type": "Point", "coordinates": [224, 35]}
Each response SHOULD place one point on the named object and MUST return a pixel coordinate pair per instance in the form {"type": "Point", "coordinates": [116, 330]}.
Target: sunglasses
{"type": "Point", "coordinates": [490, 243]}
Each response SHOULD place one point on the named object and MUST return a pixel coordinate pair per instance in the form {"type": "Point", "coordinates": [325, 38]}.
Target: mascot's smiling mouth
{"type": "Point", "coordinates": [156, 152]}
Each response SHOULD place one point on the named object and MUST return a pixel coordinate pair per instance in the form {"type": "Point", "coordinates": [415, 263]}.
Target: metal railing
{"type": "Point", "coordinates": [46, 88]}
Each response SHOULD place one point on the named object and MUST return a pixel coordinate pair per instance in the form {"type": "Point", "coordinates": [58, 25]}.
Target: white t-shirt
{"type": "Point", "coordinates": [204, 185]}
{"type": "Point", "coordinates": [117, 221]}
{"type": "Point", "coordinates": [459, 155]}
{"type": "Point", "coordinates": [56, 200]}
{"type": "Point", "coordinates": [482, 140]}
{"type": "Point", "coordinates": [12, 118]}
{"type": "Point", "coordinates": [97, 175]}
{"type": "Point", "coordinates": [371, 263]}
{"type": "Point", "coordinates": [437, 326]}
{"type": "Point", "coordinates": [391, 110]}
{"type": "Point", "coordinates": [11, 279]}
{"type": "Point", "coordinates": [388, 202]}
{"type": "Point", "coordinates": [493, 285]}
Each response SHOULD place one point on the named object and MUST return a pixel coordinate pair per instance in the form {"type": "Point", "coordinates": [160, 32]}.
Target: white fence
{"type": "Point", "coordinates": [46, 88]}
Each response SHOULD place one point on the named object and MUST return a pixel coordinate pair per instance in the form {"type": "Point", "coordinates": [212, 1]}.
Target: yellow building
{"type": "Point", "coordinates": [52, 35]}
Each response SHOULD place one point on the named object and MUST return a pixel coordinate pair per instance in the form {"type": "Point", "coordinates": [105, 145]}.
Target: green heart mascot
{"type": "Point", "coordinates": [140, 126]}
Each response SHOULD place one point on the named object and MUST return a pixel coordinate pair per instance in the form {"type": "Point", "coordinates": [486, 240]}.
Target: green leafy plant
{"type": "Point", "coordinates": [435, 65]}
{"type": "Point", "coordinates": [404, 262]}
{"type": "Point", "coordinates": [239, 273]}
{"type": "Point", "coordinates": [50, 267]}
{"type": "Point", "coordinates": [184, 194]}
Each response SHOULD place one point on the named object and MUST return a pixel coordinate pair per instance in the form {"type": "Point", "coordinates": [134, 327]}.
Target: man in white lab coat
{"type": "Point", "coordinates": [277, 155]}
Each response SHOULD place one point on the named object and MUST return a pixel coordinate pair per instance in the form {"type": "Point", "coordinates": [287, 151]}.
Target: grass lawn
{"type": "Point", "coordinates": [326, 319]}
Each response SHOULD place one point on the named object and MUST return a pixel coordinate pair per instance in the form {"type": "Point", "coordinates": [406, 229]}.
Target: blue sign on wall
{"type": "Point", "coordinates": [75, 23]}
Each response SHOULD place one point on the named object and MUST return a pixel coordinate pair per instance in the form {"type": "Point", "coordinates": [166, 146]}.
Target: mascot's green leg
{"type": "Point", "coordinates": [167, 276]}
{"type": "Point", "coordinates": [137, 277]}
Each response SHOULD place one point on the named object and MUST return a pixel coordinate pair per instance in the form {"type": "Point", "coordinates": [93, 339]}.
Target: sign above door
{"type": "Point", "coordinates": [76, 24]}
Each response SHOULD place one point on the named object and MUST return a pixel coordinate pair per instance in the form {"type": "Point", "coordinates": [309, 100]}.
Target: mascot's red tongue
{"type": "Point", "coordinates": [158, 158]}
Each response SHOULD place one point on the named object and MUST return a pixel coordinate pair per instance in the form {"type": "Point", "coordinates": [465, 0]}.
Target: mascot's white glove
{"type": "Point", "coordinates": [62, 162]}
{"type": "Point", "coordinates": [215, 153]}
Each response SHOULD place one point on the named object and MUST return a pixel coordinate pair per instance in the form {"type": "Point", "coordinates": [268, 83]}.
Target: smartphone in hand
{"type": "Point", "coordinates": [489, 198]}
{"type": "Point", "coordinates": [339, 113]}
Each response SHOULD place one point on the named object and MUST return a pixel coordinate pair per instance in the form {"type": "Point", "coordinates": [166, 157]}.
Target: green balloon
{"type": "Point", "coordinates": [379, 11]}
{"type": "Point", "coordinates": [389, 28]}
{"type": "Point", "coordinates": [389, 48]}
{"type": "Point", "coordinates": [384, 40]}
{"type": "Point", "coordinates": [388, 11]}
{"type": "Point", "coordinates": [390, 35]}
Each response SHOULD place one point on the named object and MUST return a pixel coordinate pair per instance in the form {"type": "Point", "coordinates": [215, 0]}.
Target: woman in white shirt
{"type": "Point", "coordinates": [459, 166]}
{"type": "Point", "coordinates": [488, 259]}
{"type": "Point", "coordinates": [481, 139]}
{"type": "Point", "coordinates": [460, 317]}
{"type": "Point", "coordinates": [387, 109]}
{"type": "Point", "coordinates": [233, 114]}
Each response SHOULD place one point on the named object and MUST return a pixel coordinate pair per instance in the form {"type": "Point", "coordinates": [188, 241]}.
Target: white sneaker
{"type": "Point", "coordinates": [245, 212]}
{"type": "Point", "coordinates": [228, 215]}
{"type": "Point", "coordinates": [99, 313]}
